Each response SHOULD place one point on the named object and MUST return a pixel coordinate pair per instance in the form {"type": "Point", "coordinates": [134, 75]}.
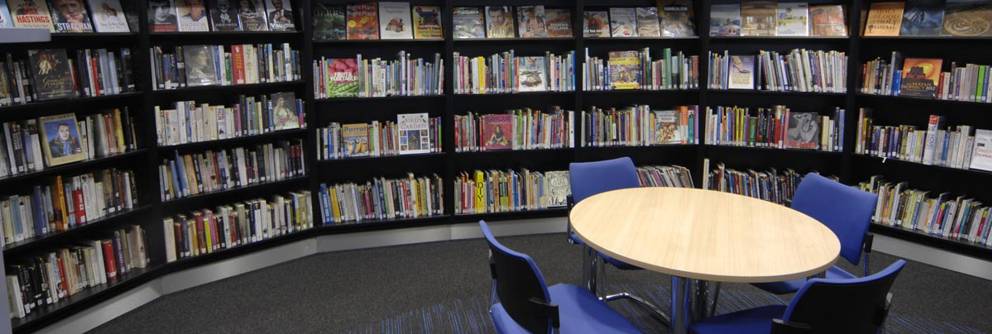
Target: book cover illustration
{"type": "Point", "coordinates": [328, 21]}
{"type": "Point", "coordinates": [427, 22]}
{"type": "Point", "coordinates": [625, 69]}
{"type": "Point", "coordinates": [499, 22]}
{"type": "Point", "coordinates": [596, 23]}
{"type": "Point", "coordinates": [162, 16]}
{"type": "Point", "coordinates": [252, 15]}
{"type": "Point", "coordinates": [667, 127]}
{"type": "Point", "coordinates": [803, 131]}
{"type": "Point", "coordinates": [193, 16]}
{"type": "Point", "coordinates": [968, 18]}
{"type": "Point", "coordinates": [741, 74]}
{"type": "Point", "coordinates": [6, 21]}
{"type": "Point", "coordinates": [280, 15]}
{"type": "Point", "coordinates": [200, 66]}
{"type": "Point", "coordinates": [828, 20]}
{"type": "Point", "coordinates": [52, 78]}
{"type": "Point", "coordinates": [647, 22]}
{"type": "Point", "coordinates": [363, 21]}
{"type": "Point", "coordinates": [559, 22]}
{"type": "Point", "coordinates": [922, 18]}
{"type": "Point", "coordinates": [414, 133]}
{"type": "Point", "coordinates": [920, 77]}
{"type": "Point", "coordinates": [884, 19]}
{"type": "Point", "coordinates": [108, 16]}
{"type": "Point", "coordinates": [70, 16]}
{"type": "Point", "coordinates": [497, 132]}
{"type": "Point", "coordinates": [981, 156]}
{"type": "Point", "coordinates": [224, 15]}
{"type": "Point", "coordinates": [284, 111]}
{"type": "Point", "coordinates": [531, 74]}
{"type": "Point", "coordinates": [343, 80]}
{"type": "Point", "coordinates": [792, 19]}
{"type": "Point", "coordinates": [31, 14]}
{"type": "Point", "coordinates": [676, 18]}
{"type": "Point", "coordinates": [531, 19]}
{"type": "Point", "coordinates": [468, 23]}
{"type": "Point", "coordinates": [394, 20]}
{"type": "Point", "coordinates": [61, 139]}
{"type": "Point", "coordinates": [623, 22]}
{"type": "Point", "coordinates": [725, 20]}
{"type": "Point", "coordinates": [558, 189]}
{"type": "Point", "coordinates": [758, 18]}
{"type": "Point", "coordinates": [131, 15]}
{"type": "Point", "coordinates": [355, 139]}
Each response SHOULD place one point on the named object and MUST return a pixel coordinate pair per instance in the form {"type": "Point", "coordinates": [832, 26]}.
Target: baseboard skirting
{"type": "Point", "coordinates": [933, 256]}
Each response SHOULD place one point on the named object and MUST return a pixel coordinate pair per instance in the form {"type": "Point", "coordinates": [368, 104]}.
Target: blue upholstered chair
{"type": "Point", "coordinates": [846, 211]}
{"type": "Point", "coordinates": [822, 305]}
{"type": "Point", "coordinates": [523, 303]}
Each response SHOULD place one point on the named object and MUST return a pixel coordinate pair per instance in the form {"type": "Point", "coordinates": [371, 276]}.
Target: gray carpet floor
{"type": "Point", "coordinates": [444, 288]}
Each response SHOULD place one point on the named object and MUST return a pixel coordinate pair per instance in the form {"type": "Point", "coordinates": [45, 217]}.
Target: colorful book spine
{"type": "Point", "coordinates": [526, 129]}
{"type": "Point", "coordinates": [382, 199]}
{"type": "Point", "coordinates": [639, 125]}
{"type": "Point", "coordinates": [213, 171]}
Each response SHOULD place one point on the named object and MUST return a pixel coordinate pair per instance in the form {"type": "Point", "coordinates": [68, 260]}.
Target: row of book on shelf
{"type": "Point", "coordinates": [212, 65]}
{"type": "Point", "coordinates": [929, 18]}
{"type": "Point", "coordinates": [66, 203]}
{"type": "Point", "coordinates": [212, 171]}
{"type": "Point", "coordinates": [800, 70]}
{"type": "Point", "coordinates": [639, 125]}
{"type": "Point", "coordinates": [938, 144]}
{"type": "Point", "coordinates": [772, 18]}
{"type": "Point", "coordinates": [638, 70]}
{"type": "Point", "coordinates": [72, 16]}
{"type": "Point", "coordinates": [773, 185]}
{"type": "Point", "coordinates": [371, 20]}
{"type": "Point", "coordinates": [377, 77]}
{"type": "Point", "coordinates": [32, 145]}
{"type": "Point", "coordinates": [382, 199]}
{"type": "Point", "coordinates": [775, 127]}
{"type": "Point", "coordinates": [924, 78]}
{"type": "Point", "coordinates": [206, 231]}
{"type": "Point", "coordinates": [672, 18]}
{"type": "Point", "coordinates": [506, 72]}
{"type": "Point", "coordinates": [520, 129]}
{"type": "Point", "coordinates": [410, 134]}
{"type": "Point", "coordinates": [499, 22]}
{"type": "Point", "coordinates": [48, 278]}
{"type": "Point", "coordinates": [51, 74]}
{"type": "Point", "coordinates": [189, 122]}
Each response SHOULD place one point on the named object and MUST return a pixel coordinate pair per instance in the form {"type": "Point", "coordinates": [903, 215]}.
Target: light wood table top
{"type": "Point", "coordinates": [705, 234]}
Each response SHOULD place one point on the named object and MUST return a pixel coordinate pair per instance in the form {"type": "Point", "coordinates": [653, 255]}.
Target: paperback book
{"type": "Point", "coordinates": [252, 15]}
{"type": "Point", "coordinates": [162, 16]}
{"type": "Point", "coordinates": [224, 15]}
{"type": "Point", "coordinates": [741, 72]}
{"type": "Point", "coordinates": [920, 77]}
{"type": "Point", "coordinates": [531, 74]}
{"type": "Point", "coordinates": [828, 20]}
{"type": "Point", "coordinates": [967, 18]}
{"type": "Point", "coordinates": [802, 131]}
{"type": "Point", "coordinates": [596, 23]}
{"type": "Point", "coordinates": [623, 22]}
{"type": "Point", "coordinates": [394, 20]}
{"type": "Point", "coordinates": [280, 15]}
{"type": "Point", "coordinates": [792, 19]}
{"type": "Point", "coordinates": [647, 22]}
{"type": "Point", "coordinates": [414, 133]}
{"type": "Point", "coordinates": [676, 18]}
{"type": "Point", "coordinates": [725, 20]}
{"type": "Point", "coordinates": [468, 23]}
{"type": "Point", "coordinates": [427, 22]}
{"type": "Point", "coordinates": [363, 21]}
{"type": "Point", "coordinates": [758, 18]}
{"type": "Point", "coordinates": [884, 19]}
{"type": "Point", "coordinates": [342, 79]}
{"type": "Point", "coordinates": [108, 16]}
{"type": "Point", "coordinates": [31, 14]}
{"type": "Point", "coordinates": [625, 68]}
{"type": "Point", "coordinates": [51, 75]}
{"type": "Point", "coordinates": [499, 22]}
{"type": "Point", "coordinates": [981, 158]}
{"type": "Point", "coordinates": [922, 18]}
{"type": "Point", "coordinates": [328, 21]}
{"type": "Point", "coordinates": [6, 21]}
{"type": "Point", "coordinates": [532, 21]}
{"type": "Point", "coordinates": [70, 16]}
{"type": "Point", "coordinates": [200, 67]}
{"type": "Point", "coordinates": [497, 130]}
{"type": "Point", "coordinates": [193, 16]}
{"type": "Point", "coordinates": [559, 22]}
{"type": "Point", "coordinates": [355, 140]}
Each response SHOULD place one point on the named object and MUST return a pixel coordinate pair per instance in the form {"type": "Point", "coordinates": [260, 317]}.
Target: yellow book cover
{"type": "Point", "coordinates": [625, 68]}
{"type": "Point", "coordinates": [480, 192]}
{"type": "Point", "coordinates": [119, 131]}
{"type": "Point", "coordinates": [427, 22]}
{"type": "Point", "coordinates": [884, 19]}
{"type": "Point", "coordinates": [194, 187]}
{"type": "Point", "coordinates": [206, 231]}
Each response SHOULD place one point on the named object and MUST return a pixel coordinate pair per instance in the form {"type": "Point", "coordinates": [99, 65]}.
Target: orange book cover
{"type": "Point", "coordinates": [238, 64]}
{"type": "Point", "coordinates": [920, 77]}
{"type": "Point", "coordinates": [884, 19]}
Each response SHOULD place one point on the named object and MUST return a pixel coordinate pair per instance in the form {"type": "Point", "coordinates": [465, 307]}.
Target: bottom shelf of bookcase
{"type": "Point", "coordinates": [957, 246]}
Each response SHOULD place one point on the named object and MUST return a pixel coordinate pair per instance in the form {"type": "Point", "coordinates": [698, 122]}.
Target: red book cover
{"type": "Point", "coordinates": [200, 237]}
{"type": "Point", "coordinates": [110, 264]}
{"type": "Point", "coordinates": [238, 63]}
{"type": "Point", "coordinates": [215, 234]}
{"type": "Point", "coordinates": [95, 75]}
{"type": "Point", "coordinates": [58, 200]}
{"type": "Point", "coordinates": [77, 199]}
{"type": "Point", "coordinates": [497, 132]}
{"type": "Point", "coordinates": [63, 283]}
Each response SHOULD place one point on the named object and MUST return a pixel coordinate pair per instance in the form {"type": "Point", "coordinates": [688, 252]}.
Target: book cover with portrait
{"type": "Point", "coordinates": [50, 73]}
{"type": "Point", "coordinates": [70, 16]}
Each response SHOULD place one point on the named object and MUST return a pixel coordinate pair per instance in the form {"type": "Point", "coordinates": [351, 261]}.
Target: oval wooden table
{"type": "Point", "coordinates": [703, 235]}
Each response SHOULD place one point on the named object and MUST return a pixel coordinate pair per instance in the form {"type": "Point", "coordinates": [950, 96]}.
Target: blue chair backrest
{"type": "Point", "coordinates": [590, 178]}
{"type": "Point", "coordinates": [858, 305]}
{"type": "Point", "coordinates": [845, 210]}
{"type": "Point", "coordinates": [519, 285]}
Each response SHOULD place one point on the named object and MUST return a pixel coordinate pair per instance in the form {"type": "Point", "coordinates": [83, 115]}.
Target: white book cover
{"type": "Point", "coordinates": [108, 16]}
{"type": "Point", "coordinates": [414, 133]}
{"type": "Point", "coordinates": [5, 20]}
{"type": "Point", "coordinates": [981, 155]}
{"type": "Point", "coordinates": [623, 22]}
{"type": "Point", "coordinates": [193, 15]}
{"type": "Point", "coordinates": [792, 19]}
{"type": "Point", "coordinates": [394, 20]}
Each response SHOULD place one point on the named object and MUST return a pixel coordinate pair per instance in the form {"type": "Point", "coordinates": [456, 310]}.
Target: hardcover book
{"type": "Point", "coordinates": [131, 15]}
{"type": "Point", "coordinates": [725, 20]}
{"type": "Point", "coordinates": [981, 156]}
{"type": "Point", "coordinates": [758, 18]}
{"type": "Point", "coordinates": [667, 127]}
{"type": "Point", "coordinates": [625, 69]}
{"type": "Point", "coordinates": [280, 15]}
{"type": "Point", "coordinates": [355, 138]}
{"type": "Point", "coordinates": [531, 74]}
{"type": "Point", "coordinates": [792, 19]}
{"type": "Point", "coordinates": [162, 16]}
{"type": "Point", "coordinates": [193, 16]}
{"type": "Point", "coordinates": [284, 111]}
{"type": "Point", "coordinates": [499, 22]}
{"type": "Point", "coordinates": [647, 22]}
{"type": "Point", "coordinates": [252, 15]}
{"type": "Point", "coordinates": [676, 18]}
{"type": "Point", "coordinates": [343, 80]}
{"type": "Point", "coordinates": [558, 188]}
{"type": "Point", "coordinates": [61, 137]}
{"type": "Point", "coordinates": [468, 23]}
{"type": "Point", "coordinates": [363, 21]}
{"type": "Point", "coordinates": [884, 19]}
{"type": "Point", "coordinates": [6, 21]}
{"type": "Point", "coordinates": [559, 22]}
{"type": "Point", "coordinates": [531, 19]}
{"type": "Point", "coordinates": [31, 14]}
{"type": "Point", "coordinates": [803, 130]}
{"type": "Point", "coordinates": [623, 22]}
{"type": "Point", "coordinates": [224, 15]}
{"type": "Point", "coordinates": [51, 74]}
{"type": "Point", "coordinates": [920, 77]}
{"type": "Point", "coordinates": [328, 21]}
{"type": "Point", "coordinates": [741, 74]}
{"type": "Point", "coordinates": [394, 20]}
{"type": "Point", "coordinates": [967, 18]}
{"type": "Point", "coordinates": [922, 18]}
{"type": "Point", "coordinates": [427, 22]}
{"type": "Point", "coordinates": [414, 133]}
{"type": "Point", "coordinates": [828, 20]}
{"type": "Point", "coordinates": [70, 16]}
{"type": "Point", "coordinates": [200, 67]}
{"type": "Point", "coordinates": [596, 23]}
{"type": "Point", "coordinates": [108, 16]}
{"type": "Point", "coordinates": [497, 132]}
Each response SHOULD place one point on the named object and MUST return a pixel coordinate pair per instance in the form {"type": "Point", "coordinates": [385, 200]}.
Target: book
{"type": "Point", "coordinates": [532, 22]}
{"type": "Point", "coordinates": [162, 16]}
{"type": "Point", "coordinates": [6, 21]}
{"type": "Point", "coordinates": [70, 16]}
{"type": "Point", "coordinates": [827, 20]}
{"type": "Point", "coordinates": [725, 20]}
{"type": "Point", "coordinates": [284, 111]}
{"type": "Point", "coordinates": [647, 22]}
{"type": "Point", "coordinates": [531, 74]}
{"type": "Point", "coordinates": [193, 16]}
{"type": "Point", "coordinates": [51, 74]}
{"type": "Point", "coordinates": [532, 130]}
{"type": "Point", "coordinates": [922, 18]}
{"type": "Point", "coordinates": [427, 22]}
{"type": "Point", "coordinates": [342, 80]}
{"type": "Point", "coordinates": [623, 22]}
{"type": "Point", "coordinates": [252, 15]}
{"type": "Point", "coordinates": [363, 21]}
{"type": "Point", "coordinates": [758, 18]}
{"type": "Point", "coordinates": [497, 131]}
{"type": "Point", "coordinates": [409, 197]}
{"type": "Point", "coordinates": [558, 188]}
{"type": "Point", "coordinates": [967, 18]}
{"type": "Point", "coordinates": [414, 133]}
{"type": "Point", "coordinates": [981, 156]}
{"type": "Point", "coordinates": [280, 15]}
{"type": "Point", "coordinates": [499, 22]}
{"type": "Point", "coordinates": [200, 67]}
{"type": "Point", "coordinates": [596, 23]}
{"type": "Point", "coordinates": [920, 77]}
{"type": "Point", "coordinates": [355, 140]}
{"type": "Point", "coordinates": [131, 15]}
{"type": "Point", "coordinates": [884, 19]}
{"type": "Point", "coordinates": [489, 191]}
{"type": "Point", "coordinates": [676, 18]}
{"type": "Point", "coordinates": [185, 122]}
{"type": "Point", "coordinates": [224, 15]}
{"type": "Point", "coordinates": [468, 23]}
{"type": "Point", "coordinates": [108, 16]}
{"type": "Point", "coordinates": [667, 125]}
{"type": "Point", "coordinates": [625, 68]}
{"type": "Point", "coordinates": [394, 20]}
{"type": "Point", "coordinates": [792, 19]}
{"type": "Point", "coordinates": [741, 74]}
{"type": "Point", "coordinates": [803, 131]}
{"type": "Point", "coordinates": [410, 134]}
{"type": "Point", "coordinates": [328, 21]}
{"type": "Point", "coordinates": [667, 70]}
{"type": "Point", "coordinates": [31, 14]}
{"type": "Point", "coordinates": [474, 75]}
{"type": "Point", "coordinates": [62, 142]}
{"type": "Point", "coordinates": [559, 22]}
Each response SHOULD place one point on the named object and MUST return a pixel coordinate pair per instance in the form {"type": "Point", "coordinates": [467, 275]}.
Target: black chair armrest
{"type": "Point", "coordinates": [780, 326]}
{"type": "Point", "coordinates": [550, 310]}
{"type": "Point", "coordinates": [869, 240]}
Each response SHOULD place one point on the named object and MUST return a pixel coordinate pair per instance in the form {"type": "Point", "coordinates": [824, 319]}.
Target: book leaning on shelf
{"type": "Point", "coordinates": [938, 214]}
{"type": "Point", "coordinates": [217, 65]}
{"type": "Point", "coordinates": [493, 191]}
{"type": "Point", "coordinates": [775, 127]}
{"type": "Point", "coordinates": [48, 278]}
{"type": "Point", "coordinates": [497, 22]}
{"type": "Point", "coordinates": [212, 171]}
{"type": "Point", "coordinates": [189, 122]}
{"type": "Point", "coordinates": [637, 70]}
{"type": "Point", "coordinates": [938, 145]}
{"type": "Point", "coordinates": [506, 72]}
{"type": "Point", "coordinates": [65, 203]}
{"type": "Point", "coordinates": [521, 129]}
{"type": "Point", "coordinates": [924, 78]}
{"type": "Point", "coordinates": [800, 70]}
{"type": "Point", "coordinates": [665, 176]}
{"type": "Point", "coordinates": [771, 185]}
{"type": "Point", "coordinates": [410, 134]}
{"type": "Point", "coordinates": [382, 199]}
{"type": "Point", "coordinates": [377, 77]}
{"type": "Point", "coordinates": [227, 226]}
{"type": "Point", "coordinates": [639, 125]}
{"type": "Point", "coordinates": [51, 74]}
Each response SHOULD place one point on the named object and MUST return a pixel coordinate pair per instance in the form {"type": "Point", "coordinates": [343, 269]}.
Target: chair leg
{"type": "Point", "coordinates": [716, 297]}
{"type": "Point", "coordinates": [655, 311]}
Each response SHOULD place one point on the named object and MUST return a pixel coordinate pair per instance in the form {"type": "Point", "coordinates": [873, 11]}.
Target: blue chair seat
{"type": "Point", "coordinates": [579, 311]}
{"type": "Point", "coordinates": [606, 258]}
{"type": "Point", "coordinates": [785, 287]}
{"type": "Point", "coordinates": [751, 321]}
